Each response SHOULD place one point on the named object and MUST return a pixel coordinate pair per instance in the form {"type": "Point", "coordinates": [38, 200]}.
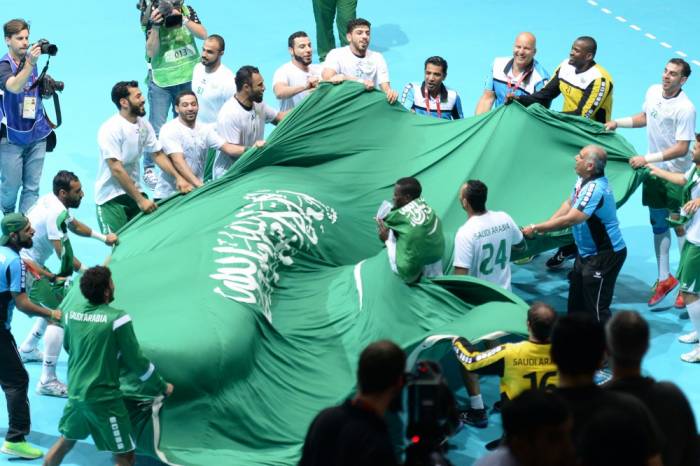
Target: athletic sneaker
{"type": "Point", "coordinates": [150, 177]}
{"type": "Point", "coordinates": [31, 356]}
{"type": "Point", "coordinates": [53, 387]}
{"type": "Point", "coordinates": [22, 450]}
{"type": "Point", "coordinates": [558, 259]}
{"type": "Point", "coordinates": [680, 302]}
{"type": "Point", "coordinates": [691, 337]}
{"type": "Point", "coordinates": [474, 417]}
{"type": "Point", "coordinates": [663, 288]}
{"type": "Point", "coordinates": [692, 356]}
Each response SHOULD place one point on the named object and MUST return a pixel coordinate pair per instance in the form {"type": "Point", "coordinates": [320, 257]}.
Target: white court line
{"type": "Point", "coordinates": [648, 35]}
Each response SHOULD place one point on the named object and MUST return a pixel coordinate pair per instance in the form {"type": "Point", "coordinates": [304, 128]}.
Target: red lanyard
{"type": "Point", "coordinates": [427, 102]}
{"type": "Point", "coordinates": [515, 87]}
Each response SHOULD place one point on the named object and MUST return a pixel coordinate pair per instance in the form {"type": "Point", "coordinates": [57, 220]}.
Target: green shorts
{"type": "Point", "coordinates": [115, 213]}
{"type": "Point", "coordinates": [107, 422]}
{"type": "Point", "coordinates": [689, 268]}
{"type": "Point", "coordinates": [660, 194]}
{"type": "Point", "coordinates": [46, 294]}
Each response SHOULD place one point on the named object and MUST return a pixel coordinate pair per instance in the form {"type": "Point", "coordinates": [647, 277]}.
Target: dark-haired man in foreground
{"type": "Point", "coordinates": [578, 348]}
{"type": "Point", "coordinates": [100, 342]}
{"type": "Point", "coordinates": [355, 432]}
{"type": "Point", "coordinates": [628, 341]}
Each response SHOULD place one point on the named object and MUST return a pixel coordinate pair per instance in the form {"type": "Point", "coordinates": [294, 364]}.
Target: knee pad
{"type": "Point", "coordinates": [657, 218]}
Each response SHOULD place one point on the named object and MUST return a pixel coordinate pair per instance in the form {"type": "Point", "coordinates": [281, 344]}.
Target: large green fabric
{"type": "Point", "coordinates": [255, 294]}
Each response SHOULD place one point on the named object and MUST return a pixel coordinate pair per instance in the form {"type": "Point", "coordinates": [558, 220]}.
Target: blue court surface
{"type": "Point", "coordinates": [101, 43]}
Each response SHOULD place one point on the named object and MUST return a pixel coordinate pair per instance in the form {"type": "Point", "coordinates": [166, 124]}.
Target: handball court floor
{"type": "Point", "coordinates": [100, 43]}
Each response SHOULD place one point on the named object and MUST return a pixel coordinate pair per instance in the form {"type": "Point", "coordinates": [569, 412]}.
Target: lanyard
{"type": "Point", "coordinates": [512, 89]}
{"type": "Point", "coordinates": [427, 102]}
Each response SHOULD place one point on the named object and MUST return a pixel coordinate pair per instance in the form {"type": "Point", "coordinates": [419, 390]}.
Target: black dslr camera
{"type": "Point", "coordinates": [47, 48]}
{"type": "Point", "coordinates": [165, 7]}
{"type": "Point", "coordinates": [432, 416]}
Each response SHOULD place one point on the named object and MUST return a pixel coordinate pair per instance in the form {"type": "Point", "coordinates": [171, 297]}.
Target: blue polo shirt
{"type": "Point", "coordinates": [601, 232]}
{"type": "Point", "coordinates": [12, 274]}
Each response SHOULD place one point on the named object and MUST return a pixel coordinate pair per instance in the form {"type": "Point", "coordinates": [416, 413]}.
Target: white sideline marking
{"type": "Point", "coordinates": [648, 35]}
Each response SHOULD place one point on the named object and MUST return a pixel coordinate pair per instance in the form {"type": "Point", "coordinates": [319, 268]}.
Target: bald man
{"type": "Point", "coordinates": [520, 74]}
{"type": "Point", "coordinates": [591, 213]}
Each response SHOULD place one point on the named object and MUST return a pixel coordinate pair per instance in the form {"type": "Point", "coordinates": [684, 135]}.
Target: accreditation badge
{"type": "Point", "coordinates": [29, 107]}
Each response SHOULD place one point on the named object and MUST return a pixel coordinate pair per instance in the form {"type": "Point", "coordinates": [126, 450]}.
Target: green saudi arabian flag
{"type": "Point", "coordinates": [255, 294]}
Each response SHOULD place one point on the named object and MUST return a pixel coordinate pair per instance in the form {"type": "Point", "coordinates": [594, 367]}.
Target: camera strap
{"type": "Point", "coordinates": [56, 102]}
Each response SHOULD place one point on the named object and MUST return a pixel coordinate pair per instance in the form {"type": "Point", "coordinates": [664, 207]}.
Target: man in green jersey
{"type": "Point", "coordinates": [689, 268]}
{"type": "Point", "coordinates": [100, 341]}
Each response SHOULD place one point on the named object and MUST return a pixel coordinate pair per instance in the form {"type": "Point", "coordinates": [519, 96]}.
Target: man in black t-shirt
{"type": "Point", "coordinates": [628, 341]}
{"type": "Point", "coordinates": [355, 432]}
{"type": "Point", "coordinates": [578, 347]}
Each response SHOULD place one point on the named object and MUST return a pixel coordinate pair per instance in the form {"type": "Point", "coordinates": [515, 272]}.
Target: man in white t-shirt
{"type": "Point", "coordinates": [483, 244]}
{"type": "Point", "coordinates": [669, 117]}
{"type": "Point", "coordinates": [186, 141]}
{"type": "Point", "coordinates": [242, 119]}
{"type": "Point", "coordinates": [689, 267]}
{"type": "Point", "coordinates": [212, 82]}
{"type": "Point", "coordinates": [295, 79]}
{"type": "Point", "coordinates": [355, 62]}
{"type": "Point", "coordinates": [51, 221]}
{"type": "Point", "coordinates": [123, 138]}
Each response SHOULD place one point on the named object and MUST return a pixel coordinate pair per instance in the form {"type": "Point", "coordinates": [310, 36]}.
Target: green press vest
{"type": "Point", "coordinates": [176, 58]}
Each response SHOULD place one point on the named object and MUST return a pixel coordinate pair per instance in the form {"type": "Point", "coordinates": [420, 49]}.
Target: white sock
{"type": "Point", "coordinates": [681, 242]}
{"type": "Point", "coordinates": [694, 314]}
{"type": "Point", "coordinates": [662, 246]}
{"type": "Point", "coordinates": [476, 402]}
{"type": "Point", "coordinates": [52, 349]}
{"type": "Point", "coordinates": [38, 329]}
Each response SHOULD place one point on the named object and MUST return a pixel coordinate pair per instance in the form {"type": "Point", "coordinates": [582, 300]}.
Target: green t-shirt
{"type": "Point", "coordinates": [101, 343]}
{"type": "Point", "coordinates": [177, 55]}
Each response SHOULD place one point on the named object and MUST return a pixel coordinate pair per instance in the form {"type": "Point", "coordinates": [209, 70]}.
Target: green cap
{"type": "Point", "coordinates": [12, 223]}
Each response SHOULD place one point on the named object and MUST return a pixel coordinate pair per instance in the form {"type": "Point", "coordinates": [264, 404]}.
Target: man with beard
{"type": "Point", "coordinates": [51, 220]}
{"type": "Point", "coordinates": [17, 234]}
{"type": "Point", "coordinates": [587, 89]}
{"type": "Point", "coordinates": [520, 74]}
{"type": "Point", "coordinates": [186, 141]}
{"type": "Point", "coordinates": [242, 119]}
{"type": "Point", "coordinates": [295, 79]}
{"type": "Point", "coordinates": [356, 62]}
{"type": "Point", "coordinates": [431, 97]}
{"type": "Point", "coordinates": [123, 138]}
{"type": "Point", "coordinates": [101, 343]}
{"type": "Point", "coordinates": [212, 82]}
{"type": "Point", "coordinates": [669, 116]}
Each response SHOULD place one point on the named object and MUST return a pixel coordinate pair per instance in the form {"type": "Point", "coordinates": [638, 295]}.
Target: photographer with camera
{"type": "Point", "coordinates": [171, 28]}
{"type": "Point", "coordinates": [26, 128]}
{"type": "Point", "coordinates": [355, 432]}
